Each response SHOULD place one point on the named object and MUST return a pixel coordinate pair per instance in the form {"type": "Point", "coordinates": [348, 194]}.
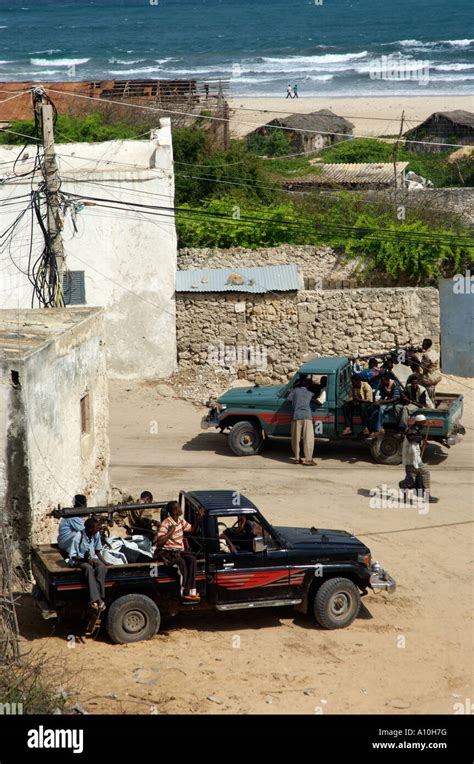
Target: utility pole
{"type": "Point", "coordinates": [52, 181]}
{"type": "Point", "coordinates": [223, 111]}
{"type": "Point", "coordinates": [396, 147]}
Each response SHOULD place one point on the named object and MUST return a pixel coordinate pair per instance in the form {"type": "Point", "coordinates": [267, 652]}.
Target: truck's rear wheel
{"type": "Point", "coordinates": [337, 603]}
{"type": "Point", "coordinates": [387, 448]}
{"type": "Point", "coordinates": [132, 618]}
{"type": "Point", "coordinates": [246, 439]}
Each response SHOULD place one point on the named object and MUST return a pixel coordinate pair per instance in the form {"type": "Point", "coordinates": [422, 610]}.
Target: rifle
{"type": "Point", "coordinates": [425, 441]}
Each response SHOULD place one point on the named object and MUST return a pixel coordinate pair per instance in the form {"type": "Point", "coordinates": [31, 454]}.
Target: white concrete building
{"type": "Point", "coordinates": [53, 417]}
{"type": "Point", "coordinates": [122, 260]}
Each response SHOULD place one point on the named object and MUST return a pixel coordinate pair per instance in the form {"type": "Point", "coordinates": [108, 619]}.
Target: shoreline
{"type": "Point", "coordinates": [370, 115]}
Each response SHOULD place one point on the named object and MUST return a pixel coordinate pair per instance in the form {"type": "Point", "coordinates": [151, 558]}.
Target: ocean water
{"type": "Point", "coordinates": [327, 47]}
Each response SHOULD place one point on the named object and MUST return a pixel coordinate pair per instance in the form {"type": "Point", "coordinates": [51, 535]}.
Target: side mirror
{"type": "Point", "coordinates": [259, 544]}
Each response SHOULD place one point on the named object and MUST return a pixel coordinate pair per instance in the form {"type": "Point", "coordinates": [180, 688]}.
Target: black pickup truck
{"type": "Point", "coordinates": [322, 572]}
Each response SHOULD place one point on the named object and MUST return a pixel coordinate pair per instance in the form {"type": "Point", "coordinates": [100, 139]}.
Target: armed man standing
{"type": "Point", "coordinates": [417, 475]}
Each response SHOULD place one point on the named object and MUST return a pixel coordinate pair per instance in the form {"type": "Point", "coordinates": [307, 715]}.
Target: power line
{"type": "Point", "coordinates": [327, 192]}
{"type": "Point", "coordinates": [22, 135]}
{"type": "Point", "coordinates": [359, 231]}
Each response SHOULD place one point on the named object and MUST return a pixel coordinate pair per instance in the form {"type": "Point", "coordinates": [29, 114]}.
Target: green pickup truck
{"type": "Point", "coordinates": [255, 415]}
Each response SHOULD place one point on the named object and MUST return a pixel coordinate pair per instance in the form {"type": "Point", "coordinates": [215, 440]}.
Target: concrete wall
{"type": "Point", "coordinates": [457, 325]}
{"type": "Point", "coordinates": [129, 258]}
{"type": "Point", "coordinates": [277, 331]}
{"type": "Point", "coordinates": [44, 458]}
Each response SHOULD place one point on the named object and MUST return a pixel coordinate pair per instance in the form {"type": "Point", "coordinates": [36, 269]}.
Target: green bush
{"type": "Point", "coordinates": [358, 150]}
{"type": "Point", "coordinates": [408, 261]}
{"type": "Point", "coordinates": [203, 170]}
{"type": "Point", "coordinates": [92, 128]}
{"type": "Point", "coordinates": [275, 143]}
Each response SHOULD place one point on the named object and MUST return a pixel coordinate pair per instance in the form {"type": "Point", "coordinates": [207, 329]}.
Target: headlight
{"type": "Point", "coordinates": [220, 407]}
{"type": "Point", "coordinates": [365, 559]}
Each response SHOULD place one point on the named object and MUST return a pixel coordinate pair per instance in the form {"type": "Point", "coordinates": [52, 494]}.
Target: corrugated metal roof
{"type": "Point", "coordinates": [369, 174]}
{"type": "Point", "coordinates": [361, 172]}
{"type": "Point", "coordinates": [271, 278]}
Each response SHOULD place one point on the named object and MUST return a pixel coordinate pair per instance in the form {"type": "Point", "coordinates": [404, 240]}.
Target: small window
{"type": "Point", "coordinates": [85, 415]}
{"type": "Point", "coordinates": [74, 288]}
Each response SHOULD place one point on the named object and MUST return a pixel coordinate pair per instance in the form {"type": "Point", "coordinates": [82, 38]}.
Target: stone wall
{"type": "Point", "coordinates": [264, 338]}
{"type": "Point", "coordinates": [459, 201]}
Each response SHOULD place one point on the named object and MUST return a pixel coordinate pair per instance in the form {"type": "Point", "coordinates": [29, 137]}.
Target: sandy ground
{"type": "Point", "coordinates": [406, 653]}
{"type": "Point", "coordinates": [370, 116]}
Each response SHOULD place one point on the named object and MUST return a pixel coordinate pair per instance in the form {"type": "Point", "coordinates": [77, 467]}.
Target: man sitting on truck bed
{"type": "Point", "coordinates": [85, 553]}
{"type": "Point", "coordinates": [414, 397]}
{"type": "Point", "coordinates": [370, 375]}
{"type": "Point", "coordinates": [135, 516]}
{"type": "Point", "coordinates": [388, 394]}
{"type": "Point", "coordinates": [362, 397]}
{"type": "Point", "coordinates": [170, 549]}
{"type": "Point", "coordinates": [69, 526]}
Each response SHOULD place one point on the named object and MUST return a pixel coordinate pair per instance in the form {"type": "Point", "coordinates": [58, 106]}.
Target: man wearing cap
{"type": "Point", "coordinates": [416, 473]}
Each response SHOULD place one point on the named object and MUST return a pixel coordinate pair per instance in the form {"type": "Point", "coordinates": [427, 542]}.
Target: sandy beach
{"type": "Point", "coordinates": [370, 116]}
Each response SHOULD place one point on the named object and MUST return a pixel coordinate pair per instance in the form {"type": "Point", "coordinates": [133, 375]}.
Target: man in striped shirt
{"type": "Point", "coordinates": [170, 548]}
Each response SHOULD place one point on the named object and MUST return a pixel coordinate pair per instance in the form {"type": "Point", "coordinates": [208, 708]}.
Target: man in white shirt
{"type": "Point", "coordinates": [416, 473]}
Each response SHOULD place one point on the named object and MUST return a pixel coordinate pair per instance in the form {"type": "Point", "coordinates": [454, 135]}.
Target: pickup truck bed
{"type": "Point", "coordinates": [61, 585]}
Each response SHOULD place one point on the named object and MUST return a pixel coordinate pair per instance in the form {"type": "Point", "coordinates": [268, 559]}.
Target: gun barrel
{"type": "Point", "coordinates": [84, 511]}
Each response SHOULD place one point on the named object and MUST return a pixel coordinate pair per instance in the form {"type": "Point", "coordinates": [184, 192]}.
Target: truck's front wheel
{"type": "Point", "coordinates": [132, 618]}
{"type": "Point", "coordinates": [337, 603]}
{"type": "Point", "coordinates": [246, 439]}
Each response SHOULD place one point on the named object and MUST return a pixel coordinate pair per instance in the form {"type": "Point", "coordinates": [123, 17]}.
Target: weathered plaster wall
{"type": "Point", "coordinates": [284, 328]}
{"type": "Point", "coordinates": [15, 507]}
{"type": "Point", "coordinates": [63, 462]}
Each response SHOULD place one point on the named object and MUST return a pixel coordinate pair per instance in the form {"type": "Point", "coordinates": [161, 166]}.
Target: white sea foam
{"type": "Point", "coordinates": [441, 44]}
{"type": "Point", "coordinates": [453, 67]}
{"type": "Point", "coordinates": [58, 61]}
{"type": "Point", "coordinates": [142, 70]}
{"type": "Point", "coordinates": [319, 77]}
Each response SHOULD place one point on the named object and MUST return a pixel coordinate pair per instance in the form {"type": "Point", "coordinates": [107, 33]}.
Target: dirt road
{"type": "Point", "coordinates": [411, 652]}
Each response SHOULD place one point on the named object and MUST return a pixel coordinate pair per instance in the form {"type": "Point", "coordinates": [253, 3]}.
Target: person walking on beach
{"type": "Point", "coordinates": [295, 91]}
{"type": "Point", "coordinates": [289, 92]}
